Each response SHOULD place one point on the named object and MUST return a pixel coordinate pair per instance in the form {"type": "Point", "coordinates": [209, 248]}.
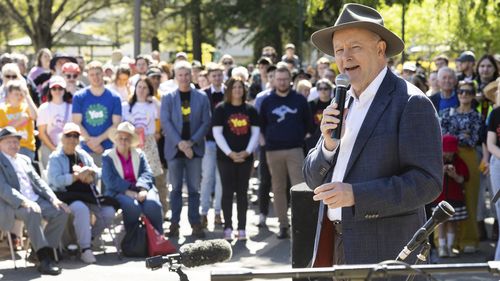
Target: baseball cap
{"type": "Point", "coordinates": [467, 56]}
{"type": "Point", "coordinates": [57, 81]}
{"type": "Point", "coordinates": [71, 127]}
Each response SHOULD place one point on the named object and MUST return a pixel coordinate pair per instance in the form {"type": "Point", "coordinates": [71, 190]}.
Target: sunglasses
{"type": "Point", "coordinates": [467, 92]}
{"type": "Point", "coordinates": [227, 63]}
{"type": "Point", "coordinates": [74, 136]}
{"type": "Point", "coordinates": [10, 76]}
{"type": "Point", "coordinates": [57, 88]}
{"type": "Point", "coordinates": [71, 76]}
{"type": "Point", "coordinates": [323, 89]}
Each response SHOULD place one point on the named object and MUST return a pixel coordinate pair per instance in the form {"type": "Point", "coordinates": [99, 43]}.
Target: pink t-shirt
{"type": "Point", "coordinates": [128, 168]}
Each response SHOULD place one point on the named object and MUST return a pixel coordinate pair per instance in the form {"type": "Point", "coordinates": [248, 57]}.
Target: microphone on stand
{"type": "Point", "coordinates": [442, 213]}
{"type": "Point", "coordinates": [194, 254]}
{"type": "Point", "coordinates": [342, 82]}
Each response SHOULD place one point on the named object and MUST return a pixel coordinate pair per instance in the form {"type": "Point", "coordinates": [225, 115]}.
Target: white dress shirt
{"type": "Point", "coordinates": [352, 124]}
{"type": "Point", "coordinates": [24, 181]}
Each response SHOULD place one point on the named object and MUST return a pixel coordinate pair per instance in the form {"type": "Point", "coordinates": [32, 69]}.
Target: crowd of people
{"type": "Point", "coordinates": [104, 136]}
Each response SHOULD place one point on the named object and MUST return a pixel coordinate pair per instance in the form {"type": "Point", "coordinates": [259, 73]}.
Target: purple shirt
{"type": "Point", "coordinates": [128, 168]}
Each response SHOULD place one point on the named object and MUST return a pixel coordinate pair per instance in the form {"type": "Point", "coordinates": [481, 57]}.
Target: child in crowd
{"type": "Point", "coordinates": [455, 174]}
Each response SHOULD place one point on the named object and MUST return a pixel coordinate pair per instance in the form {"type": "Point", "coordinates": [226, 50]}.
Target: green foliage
{"type": "Point", "coordinates": [450, 26]}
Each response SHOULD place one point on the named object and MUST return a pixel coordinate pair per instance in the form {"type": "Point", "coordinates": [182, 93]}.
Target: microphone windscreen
{"type": "Point", "coordinates": [205, 252]}
{"type": "Point", "coordinates": [443, 212]}
{"type": "Point", "coordinates": [342, 80]}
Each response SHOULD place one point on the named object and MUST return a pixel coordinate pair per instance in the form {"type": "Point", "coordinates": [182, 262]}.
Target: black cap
{"type": "Point", "coordinates": [466, 56]}
{"type": "Point", "coordinates": [9, 132]}
{"type": "Point", "coordinates": [301, 72]}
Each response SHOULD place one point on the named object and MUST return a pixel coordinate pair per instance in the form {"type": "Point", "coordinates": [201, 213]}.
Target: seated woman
{"type": "Point", "coordinates": [128, 178]}
{"type": "Point", "coordinates": [72, 175]}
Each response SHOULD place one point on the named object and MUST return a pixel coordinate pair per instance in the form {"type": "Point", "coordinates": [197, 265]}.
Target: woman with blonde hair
{"type": "Point", "coordinates": [20, 112]}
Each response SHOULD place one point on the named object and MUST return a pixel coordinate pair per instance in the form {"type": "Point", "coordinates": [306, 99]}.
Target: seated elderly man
{"type": "Point", "coordinates": [72, 175]}
{"type": "Point", "coordinates": [25, 196]}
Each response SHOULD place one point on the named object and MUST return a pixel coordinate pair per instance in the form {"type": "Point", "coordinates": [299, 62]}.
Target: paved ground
{"type": "Point", "coordinates": [261, 251]}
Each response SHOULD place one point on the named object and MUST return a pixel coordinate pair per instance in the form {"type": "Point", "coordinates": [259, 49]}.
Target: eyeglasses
{"type": "Point", "coordinates": [10, 76]}
{"type": "Point", "coordinates": [227, 63]}
{"type": "Point", "coordinates": [57, 88]}
{"type": "Point", "coordinates": [71, 76]}
{"type": "Point", "coordinates": [467, 92]}
{"type": "Point", "coordinates": [74, 136]}
{"type": "Point", "coordinates": [323, 89]}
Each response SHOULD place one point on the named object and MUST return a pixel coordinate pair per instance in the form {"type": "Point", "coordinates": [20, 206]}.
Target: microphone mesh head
{"type": "Point", "coordinates": [205, 252]}
{"type": "Point", "coordinates": [443, 211]}
{"type": "Point", "coordinates": [342, 80]}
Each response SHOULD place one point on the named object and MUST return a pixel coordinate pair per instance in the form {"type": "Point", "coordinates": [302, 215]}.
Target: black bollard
{"type": "Point", "coordinates": [304, 219]}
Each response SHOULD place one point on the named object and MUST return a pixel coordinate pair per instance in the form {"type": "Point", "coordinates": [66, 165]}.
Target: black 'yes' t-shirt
{"type": "Point", "coordinates": [236, 122]}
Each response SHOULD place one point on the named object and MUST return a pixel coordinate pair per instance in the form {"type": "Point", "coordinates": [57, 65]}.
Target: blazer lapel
{"type": "Point", "coordinates": [177, 110]}
{"type": "Point", "coordinates": [378, 106]}
{"type": "Point", "coordinates": [10, 172]}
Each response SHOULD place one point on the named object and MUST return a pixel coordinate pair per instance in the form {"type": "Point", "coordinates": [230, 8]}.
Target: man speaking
{"type": "Point", "coordinates": [374, 182]}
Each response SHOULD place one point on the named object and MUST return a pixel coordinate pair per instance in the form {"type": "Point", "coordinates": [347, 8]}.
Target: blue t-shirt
{"type": "Point", "coordinates": [451, 102]}
{"type": "Point", "coordinates": [97, 113]}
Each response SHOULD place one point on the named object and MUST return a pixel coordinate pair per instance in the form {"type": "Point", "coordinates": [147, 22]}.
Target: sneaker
{"type": "Point", "coordinates": [443, 252]}
{"type": "Point", "coordinates": [242, 235]}
{"type": "Point", "coordinates": [228, 234]}
{"type": "Point", "coordinates": [452, 253]}
{"type": "Point", "coordinates": [198, 231]}
{"type": "Point", "coordinates": [87, 257]}
{"type": "Point", "coordinates": [469, 249]}
{"type": "Point", "coordinates": [217, 219]}
{"type": "Point", "coordinates": [262, 220]}
{"type": "Point", "coordinates": [173, 230]}
{"type": "Point", "coordinates": [204, 221]}
{"type": "Point", "coordinates": [283, 234]}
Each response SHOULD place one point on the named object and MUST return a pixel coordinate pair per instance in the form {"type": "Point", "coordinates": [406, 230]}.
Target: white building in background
{"type": "Point", "coordinates": [236, 45]}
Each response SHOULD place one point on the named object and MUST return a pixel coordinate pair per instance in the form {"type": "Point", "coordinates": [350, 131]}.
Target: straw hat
{"type": "Point", "coordinates": [125, 127]}
{"type": "Point", "coordinates": [490, 91]}
{"type": "Point", "coordinates": [358, 16]}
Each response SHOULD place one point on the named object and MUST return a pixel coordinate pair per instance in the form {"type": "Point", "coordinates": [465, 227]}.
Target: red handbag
{"type": "Point", "coordinates": [157, 243]}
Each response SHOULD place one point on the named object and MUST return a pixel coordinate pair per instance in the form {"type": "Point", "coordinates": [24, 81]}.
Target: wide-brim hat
{"type": "Point", "coordinates": [125, 127]}
{"type": "Point", "coordinates": [59, 56]}
{"type": "Point", "coordinates": [490, 91]}
{"type": "Point", "coordinates": [358, 16]}
{"type": "Point", "coordinates": [9, 131]}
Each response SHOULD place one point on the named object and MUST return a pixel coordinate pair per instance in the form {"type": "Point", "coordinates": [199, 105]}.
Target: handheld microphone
{"type": "Point", "coordinates": [195, 254]}
{"type": "Point", "coordinates": [442, 213]}
{"type": "Point", "coordinates": [342, 83]}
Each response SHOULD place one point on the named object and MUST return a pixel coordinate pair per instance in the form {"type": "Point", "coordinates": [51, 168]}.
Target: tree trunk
{"type": "Point", "coordinates": [196, 28]}
{"type": "Point", "coordinates": [43, 37]}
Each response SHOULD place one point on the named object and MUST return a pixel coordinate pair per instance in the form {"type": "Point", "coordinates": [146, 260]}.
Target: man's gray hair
{"type": "Point", "coordinates": [442, 70]}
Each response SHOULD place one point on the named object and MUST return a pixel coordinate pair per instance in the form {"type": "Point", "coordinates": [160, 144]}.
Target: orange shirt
{"type": "Point", "coordinates": [10, 115]}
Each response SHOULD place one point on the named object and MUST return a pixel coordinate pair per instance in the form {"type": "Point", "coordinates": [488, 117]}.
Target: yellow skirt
{"type": "Point", "coordinates": [467, 233]}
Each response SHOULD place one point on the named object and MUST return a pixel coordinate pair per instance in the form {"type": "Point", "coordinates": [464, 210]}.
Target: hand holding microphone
{"type": "Point", "coordinates": [331, 124]}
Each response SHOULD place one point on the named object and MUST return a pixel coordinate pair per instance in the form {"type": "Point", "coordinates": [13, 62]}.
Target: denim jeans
{"type": "Point", "coordinates": [132, 209]}
{"type": "Point", "coordinates": [210, 179]}
{"type": "Point", "coordinates": [191, 169]}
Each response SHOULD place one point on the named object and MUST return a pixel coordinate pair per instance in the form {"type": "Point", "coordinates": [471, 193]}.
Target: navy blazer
{"type": "Point", "coordinates": [395, 168]}
{"type": "Point", "coordinates": [171, 121]}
